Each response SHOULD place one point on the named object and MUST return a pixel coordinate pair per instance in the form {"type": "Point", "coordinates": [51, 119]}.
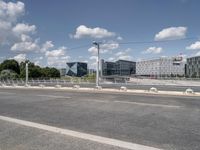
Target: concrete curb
{"type": "Point", "coordinates": [104, 90]}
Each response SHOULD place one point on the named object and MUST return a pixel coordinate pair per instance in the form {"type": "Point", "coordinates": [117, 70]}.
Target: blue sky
{"type": "Point", "coordinates": [44, 31]}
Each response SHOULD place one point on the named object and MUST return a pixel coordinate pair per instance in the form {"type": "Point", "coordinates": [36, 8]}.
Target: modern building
{"type": "Point", "coordinates": [119, 68]}
{"type": "Point", "coordinates": [193, 67]}
{"type": "Point", "coordinates": [77, 69]}
{"type": "Point", "coordinates": [62, 72]}
{"type": "Point", "coordinates": [164, 66]}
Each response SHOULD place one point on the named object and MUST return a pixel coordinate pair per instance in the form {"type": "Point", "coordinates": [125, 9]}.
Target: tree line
{"type": "Point", "coordinates": [11, 69]}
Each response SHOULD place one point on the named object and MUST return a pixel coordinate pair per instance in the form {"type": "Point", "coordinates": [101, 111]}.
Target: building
{"type": "Point", "coordinates": [193, 67]}
{"type": "Point", "coordinates": [62, 72]}
{"type": "Point", "coordinates": [164, 66]}
{"type": "Point", "coordinates": [119, 68]}
{"type": "Point", "coordinates": [77, 69]}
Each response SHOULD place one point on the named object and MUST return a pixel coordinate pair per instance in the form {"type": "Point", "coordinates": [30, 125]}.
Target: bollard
{"type": "Point", "coordinates": [189, 91]}
{"type": "Point", "coordinates": [123, 88]}
{"type": "Point", "coordinates": [57, 86]}
{"type": "Point", "coordinates": [153, 89]}
{"type": "Point", "coordinates": [98, 87]}
{"type": "Point", "coordinates": [76, 86]}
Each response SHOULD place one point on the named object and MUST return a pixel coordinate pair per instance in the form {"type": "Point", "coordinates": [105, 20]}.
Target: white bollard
{"type": "Point", "coordinates": [123, 88]}
{"type": "Point", "coordinates": [153, 89]}
{"type": "Point", "coordinates": [76, 87]}
{"type": "Point", "coordinates": [98, 88]}
{"type": "Point", "coordinates": [189, 91]}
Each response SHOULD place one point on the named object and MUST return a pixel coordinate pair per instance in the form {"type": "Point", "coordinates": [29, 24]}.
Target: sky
{"type": "Point", "coordinates": [51, 33]}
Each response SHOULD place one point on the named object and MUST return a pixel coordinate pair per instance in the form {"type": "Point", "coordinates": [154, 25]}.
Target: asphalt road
{"type": "Point", "coordinates": [164, 122]}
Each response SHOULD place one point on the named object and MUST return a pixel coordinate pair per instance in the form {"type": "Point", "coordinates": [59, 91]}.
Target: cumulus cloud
{"type": "Point", "coordinates": [84, 31]}
{"type": "Point", "coordinates": [58, 61]}
{"type": "Point", "coordinates": [20, 58]}
{"type": "Point", "coordinates": [46, 46]}
{"type": "Point", "coordinates": [123, 55]}
{"type": "Point", "coordinates": [171, 33]}
{"type": "Point", "coordinates": [22, 28]}
{"type": "Point", "coordinates": [194, 46]}
{"type": "Point", "coordinates": [153, 50]}
{"type": "Point", "coordinates": [25, 47]}
{"type": "Point", "coordinates": [104, 48]}
{"type": "Point", "coordinates": [11, 11]}
{"type": "Point", "coordinates": [56, 53]}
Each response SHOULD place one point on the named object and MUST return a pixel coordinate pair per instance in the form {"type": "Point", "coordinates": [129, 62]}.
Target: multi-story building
{"type": "Point", "coordinates": [163, 66]}
{"type": "Point", "coordinates": [77, 69]}
{"type": "Point", "coordinates": [193, 67]}
{"type": "Point", "coordinates": [120, 68]}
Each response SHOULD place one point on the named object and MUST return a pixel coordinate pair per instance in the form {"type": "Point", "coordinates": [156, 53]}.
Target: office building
{"type": "Point", "coordinates": [164, 66]}
{"type": "Point", "coordinates": [119, 68]}
{"type": "Point", "coordinates": [193, 67]}
{"type": "Point", "coordinates": [77, 69]}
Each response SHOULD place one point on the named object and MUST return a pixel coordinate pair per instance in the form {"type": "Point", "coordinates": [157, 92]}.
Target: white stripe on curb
{"type": "Point", "coordinates": [85, 136]}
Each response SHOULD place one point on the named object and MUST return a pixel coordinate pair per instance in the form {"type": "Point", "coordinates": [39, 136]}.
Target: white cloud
{"type": "Point", "coordinates": [123, 55]}
{"type": "Point", "coordinates": [119, 38]}
{"type": "Point", "coordinates": [153, 50]}
{"type": "Point", "coordinates": [11, 11]}
{"type": "Point", "coordinates": [22, 28]}
{"type": "Point", "coordinates": [171, 33]}
{"type": "Point", "coordinates": [93, 58]}
{"type": "Point", "coordinates": [111, 59]}
{"type": "Point", "coordinates": [56, 53]}
{"type": "Point", "coordinates": [20, 58]}
{"type": "Point", "coordinates": [46, 46]}
{"type": "Point", "coordinates": [58, 61]}
{"type": "Point", "coordinates": [25, 46]}
{"type": "Point", "coordinates": [194, 46]}
{"type": "Point", "coordinates": [104, 48]}
{"type": "Point", "coordinates": [83, 31]}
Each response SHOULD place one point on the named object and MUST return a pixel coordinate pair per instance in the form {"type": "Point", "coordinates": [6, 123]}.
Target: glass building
{"type": "Point", "coordinates": [77, 69]}
{"type": "Point", "coordinates": [193, 67]}
{"type": "Point", "coordinates": [120, 68]}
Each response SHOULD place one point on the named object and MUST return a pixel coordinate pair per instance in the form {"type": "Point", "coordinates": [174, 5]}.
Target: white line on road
{"type": "Point", "coordinates": [85, 136]}
{"type": "Point", "coordinates": [7, 93]}
{"type": "Point", "coordinates": [148, 104]}
{"type": "Point", "coordinates": [53, 96]}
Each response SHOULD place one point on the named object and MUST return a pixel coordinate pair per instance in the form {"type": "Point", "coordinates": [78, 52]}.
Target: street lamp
{"type": "Point", "coordinates": [97, 44]}
{"type": "Point", "coordinates": [27, 73]}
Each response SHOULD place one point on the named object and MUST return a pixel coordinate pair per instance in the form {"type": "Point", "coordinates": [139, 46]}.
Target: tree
{"type": "Point", "coordinates": [10, 65]}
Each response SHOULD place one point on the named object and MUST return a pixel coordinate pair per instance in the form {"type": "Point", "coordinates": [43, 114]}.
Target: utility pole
{"type": "Point", "coordinates": [97, 44]}
{"type": "Point", "coordinates": [26, 73]}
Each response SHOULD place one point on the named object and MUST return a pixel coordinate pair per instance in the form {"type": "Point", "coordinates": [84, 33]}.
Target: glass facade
{"type": "Point", "coordinates": [77, 69]}
{"type": "Point", "coordinates": [120, 68]}
{"type": "Point", "coordinates": [193, 67]}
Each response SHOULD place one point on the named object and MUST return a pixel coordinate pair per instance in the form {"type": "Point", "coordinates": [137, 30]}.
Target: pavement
{"type": "Point", "coordinates": [44, 119]}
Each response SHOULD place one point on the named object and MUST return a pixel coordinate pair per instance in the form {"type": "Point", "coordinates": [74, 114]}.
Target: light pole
{"type": "Point", "coordinates": [97, 44]}
{"type": "Point", "coordinates": [26, 73]}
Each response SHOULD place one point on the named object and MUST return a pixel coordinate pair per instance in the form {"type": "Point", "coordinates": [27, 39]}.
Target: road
{"type": "Point", "coordinates": [152, 121]}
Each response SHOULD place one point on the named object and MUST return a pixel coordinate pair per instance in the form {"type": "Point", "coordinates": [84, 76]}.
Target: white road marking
{"type": "Point", "coordinates": [7, 93]}
{"type": "Point", "coordinates": [80, 135]}
{"type": "Point", "coordinates": [148, 104]}
{"type": "Point", "coordinates": [53, 96]}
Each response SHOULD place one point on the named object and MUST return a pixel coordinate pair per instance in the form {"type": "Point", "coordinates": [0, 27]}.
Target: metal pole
{"type": "Point", "coordinates": [97, 70]}
{"type": "Point", "coordinates": [26, 73]}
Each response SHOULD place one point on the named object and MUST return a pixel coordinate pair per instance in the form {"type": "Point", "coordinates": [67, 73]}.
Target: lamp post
{"type": "Point", "coordinates": [97, 44]}
{"type": "Point", "coordinates": [26, 73]}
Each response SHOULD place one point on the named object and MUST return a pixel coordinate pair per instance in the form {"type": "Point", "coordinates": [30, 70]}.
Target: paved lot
{"type": "Point", "coordinates": [165, 122]}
